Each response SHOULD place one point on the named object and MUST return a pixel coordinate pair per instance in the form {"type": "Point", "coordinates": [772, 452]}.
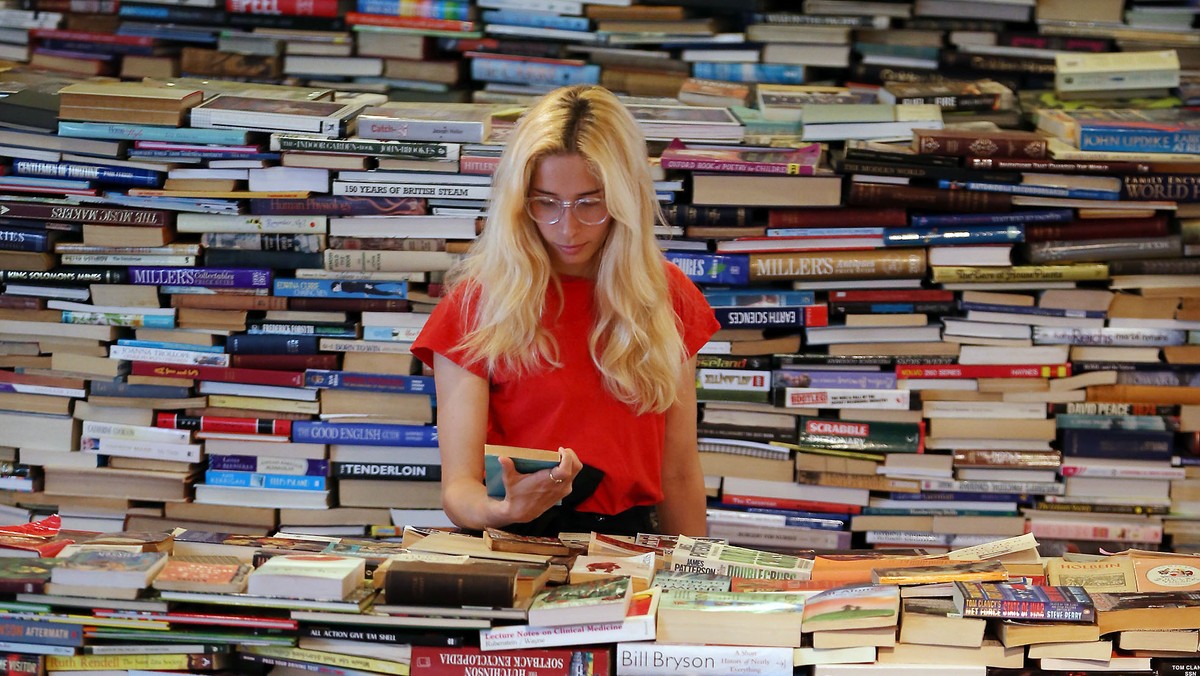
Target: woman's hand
{"type": "Point", "coordinates": [527, 496]}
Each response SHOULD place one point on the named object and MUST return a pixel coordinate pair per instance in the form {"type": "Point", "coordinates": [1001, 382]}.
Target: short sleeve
{"type": "Point", "coordinates": [444, 331]}
{"type": "Point", "coordinates": [697, 320]}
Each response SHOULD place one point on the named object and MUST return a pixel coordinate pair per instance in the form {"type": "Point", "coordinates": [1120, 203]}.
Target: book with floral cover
{"type": "Point", "coordinates": [225, 574]}
{"type": "Point", "coordinates": [597, 601]}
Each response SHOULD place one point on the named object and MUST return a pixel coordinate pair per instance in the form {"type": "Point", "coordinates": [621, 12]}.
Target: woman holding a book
{"type": "Point", "coordinates": [565, 328]}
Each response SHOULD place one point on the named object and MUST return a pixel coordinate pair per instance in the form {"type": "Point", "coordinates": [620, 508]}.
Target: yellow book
{"type": "Point", "coordinates": [263, 404]}
{"type": "Point", "coordinates": [187, 662]}
{"type": "Point", "coordinates": [332, 659]}
{"type": "Point", "coordinates": [1020, 273]}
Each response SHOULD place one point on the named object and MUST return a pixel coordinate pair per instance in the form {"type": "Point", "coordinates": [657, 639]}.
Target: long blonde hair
{"type": "Point", "coordinates": [635, 340]}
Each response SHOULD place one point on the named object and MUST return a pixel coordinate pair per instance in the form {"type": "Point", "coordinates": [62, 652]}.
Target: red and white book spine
{"type": "Point", "coordinates": [468, 660]}
{"type": "Point", "coordinates": [955, 371]}
{"type": "Point", "coordinates": [208, 423]}
{"type": "Point", "coordinates": [323, 8]}
{"type": "Point", "coordinates": [1148, 531]}
{"type": "Point", "coordinates": [1120, 471]}
{"type": "Point", "coordinates": [225, 374]}
{"type": "Point", "coordinates": [478, 165]}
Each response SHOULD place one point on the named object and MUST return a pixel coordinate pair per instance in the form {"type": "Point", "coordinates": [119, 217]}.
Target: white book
{"type": "Point", "coordinates": [984, 409]}
{"type": "Point", "coordinates": [131, 448]}
{"type": "Point", "coordinates": [166, 356]}
{"type": "Point", "coordinates": [813, 397]}
{"type": "Point", "coordinates": [268, 179]}
{"type": "Point", "coordinates": [414, 177]}
{"type": "Point", "coordinates": [572, 7]}
{"type": "Point", "coordinates": [104, 430]}
{"type": "Point", "coordinates": [439, 227]}
{"type": "Point", "coordinates": [191, 222]}
{"type": "Point", "coordinates": [639, 625]}
{"type": "Point", "coordinates": [1038, 354]}
{"type": "Point", "coordinates": [664, 659]}
{"type": "Point", "coordinates": [425, 190]}
{"type": "Point", "coordinates": [269, 391]}
{"type": "Point", "coordinates": [239, 496]}
{"type": "Point", "coordinates": [85, 307]}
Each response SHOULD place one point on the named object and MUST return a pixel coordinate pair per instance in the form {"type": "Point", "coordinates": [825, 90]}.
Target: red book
{"type": "Point", "coordinates": [22, 302]}
{"type": "Point", "coordinates": [218, 373]}
{"type": "Point", "coordinates": [795, 505]}
{"type": "Point", "coordinates": [207, 423]}
{"type": "Point", "coordinates": [478, 165]}
{"type": "Point", "coordinates": [838, 217]}
{"type": "Point", "coordinates": [285, 362]}
{"type": "Point", "coordinates": [891, 295]}
{"type": "Point", "coordinates": [323, 8]}
{"type": "Point", "coordinates": [1103, 228]}
{"type": "Point", "coordinates": [463, 661]}
{"type": "Point", "coordinates": [89, 36]}
{"type": "Point", "coordinates": [37, 379]}
{"type": "Point", "coordinates": [414, 22]}
{"type": "Point", "coordinates": [954, 371]}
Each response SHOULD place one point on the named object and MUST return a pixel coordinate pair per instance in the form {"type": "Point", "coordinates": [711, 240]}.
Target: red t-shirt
{"type": "Point", "coordinates": [569, 406]}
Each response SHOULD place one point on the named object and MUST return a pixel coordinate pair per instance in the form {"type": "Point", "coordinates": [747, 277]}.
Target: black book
{"type": "Point", "coordinates": [428, 583]}
{"type": "Point", "coordinates": [276, 260]}
{"type": "Point", "coordinates": [376, 634]}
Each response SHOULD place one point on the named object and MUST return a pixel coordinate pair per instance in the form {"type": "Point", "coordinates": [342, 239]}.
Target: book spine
{"type": "Point", "coordinates": [24, 239]}
{"type": "Point", "coordinates": [1137, 445]}
{"type": "Point", "coordinates": [215, 477]}
{"type": "Point", "coordinates": [269, 465]}
{"type": "Point", "coordinates": [214, 277]}
{"type": "Point", "coordinates": [367, 381]}
{"type": "Point", "coordinates": [1158, 186]}
{"type": "Point", "coordinates": [266, 327]}
{"type": "Point", "coordinates": [1114, 337]}
{"type": "Point", "coordinates": [1037, 190]}
{"type": "Point", "coordinates": [1101, 229]}
{"type": "Point", "coordinates": [711, 268]}
{"type": "Point", "coordinates": [655, 659]}
{"type": "Point", "coordinates": [719, 361]}
{"type": "Point", "coordinates": [533, 73]}
{"type": "Point", "coordinates": [263, 242]}
{"type": "Point", "coordinates": [985, 486]}
{"type": "Point", "coordinates": [825, 265]}
{"type": "Point", "coordinates": [984, 371]}
{"type": "Point", "coordinates": [141, 449]}
{"type": "Point", "coordinates": [421, 150]}
{"type": "Point", "coordinates": [1020, 273]}
{"type": "Point", "coordinates": [388, 471]}
{"type": "Point", "coordinates": [82, 214]}
{"type": "Point", "coordinates": [420, 190]}
{"type": "Point", "coordinates": [939, 308]}
{"type": "Point", "coordinates": [967, 234]}
{"type": "Point", "coordinates": [1056, 167]}
{"type": "Point", "coordinates": [451, 10]}
{"type": "Point", "coordinates": [43, 633]}
{"type": "Point", "coordinates": [1180, 266]}
{"type": "Point", "coordinates": [166, 356]}
{"type": "Point", "coordinates": [1137, 140]}
{"type": "Point", "coordinates": [956, 144]}
{"type": "Point", "coordinates": [1017, 217]}
{"type": "Point", "coordinates": [271, 344]}
{"type": "Point", "coordinates": [1104, 249]}
{"type": "Point", "coordinates": [1069, 469]}
{"type": "Point", "coordinates": [934, 199]}
{"type": "Point", "coordinates": [873, 437]}
{"type": "Point", "coordinates": [88, 172]}
{"type": "Point", "coordinates": [769, 73]}
{"type": "Point", "coordinates": [784, 168]}
{"type": "Point", "coordinates": [808, 397]}
{"type": "Point", "coordinates": [118, 319]}
{"type": "Point", "coordinates": [687, 214]}
{"type": "Point", "coordinates": [268, 426]}
{"type": "Point", "coordinates": [103, 430]}
{"type": "Point", "coordinates": [772, 317]}
{"type": "Point", "coordinates": [1064, 611]}
{"type": "Point", "coordinates": [339, 205]}
{"type": "Point", "coordinates": [307, 289]}
{"type": "Point", "coordinates": [366, 434]}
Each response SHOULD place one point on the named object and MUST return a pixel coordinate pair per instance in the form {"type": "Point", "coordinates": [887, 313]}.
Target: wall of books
{"type": "Point", "coordinates": [954, 246]}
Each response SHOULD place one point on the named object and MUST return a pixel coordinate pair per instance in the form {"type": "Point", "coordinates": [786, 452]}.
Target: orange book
{"type": "Point", "coordinates": [1144, 394]}
{"type": "Point", "coordinates": [851, 568]}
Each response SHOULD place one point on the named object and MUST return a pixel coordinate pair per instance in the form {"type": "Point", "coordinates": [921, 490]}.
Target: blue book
{"type": "Point", "coordinates": [953, 235]}
{"type": "Point", "coordinates": [95, 48]}
{"type": "Point", "coordinates": [772, 317]}
{"type": "Point", "coordinates": [363, 434]}
{"type": "Point", "coordinates": [271, 343]}
{"type": "Point", "coordinates": [163, 345]}
{"type": "Point", "coordinates": [1032, 216]}
{"type": "Point", "coordinates": [1033, 311]}
{"type": "Point", "coordinates": [108, 388]}
{"type": "Point", "coordinates": [712, 268]}
{"type": "Point", "coordinates": [22, 630]}
{"type": "Point", "coordinates": [13, 238]}
{"type": "Point", "coordinates": [771, 73]}
{"type": "Point", "coordinates": [943, 496]}
{"type": "Point", "coordinates": [143, 132]}
{"type": "Point", "coordinates": [43, 182]}
{"type": "Point", "coordinates": [457, 10]}
{"type": "Point", "coordinates": [301, 482]}
{"type": "Point", "coordinates": [169, 154]}
{"type": "Point", "coordinates": [793, 517]}
{"type": "Point", "coordinates": [118, 319]}
{"type": "Point", "coordinates": [825, 232]}
{"type": "Point", "coordinates": [762, 297]}
{"type": "Point", "coordinates": [254, 278]}
{"type": "Point", "coordinates": [340, 288]}
{"type": "Point", "coordinates": [533, 73]}
{"type": "Point", "coordinates": [253, 463]}
{"type": "Point", "coordinates": [1037, 190]}
{"type": "Point", "coordinates": [1118, 444]}
{"type": "Point", "coordinates": [515, 17]}
{"type": "Point", "coordinates": [371, 382]}
{"type": "Point", "coordinates": [89, 172]}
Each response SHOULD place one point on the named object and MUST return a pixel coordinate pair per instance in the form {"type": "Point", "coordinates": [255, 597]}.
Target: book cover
{"type": "Point", "coordinates": [1111, 574]}
{"type": "Point", "coordinates": [526, 461]}
{"type": "Point", "coordinates": [597, 601]}
{"type": "Point", "coordinates": [320, 577]}
{"type": "Point", "coordinates": [222, 574]}
{"type": "Point", "coordinates": [861, 606]}
{"type": "Point", "coordinates": [24, 574]}
{"type": "Point", "coordinates": [741, 159]}
{"type": "Point", "coordinates": [109, 568]}
{"type": "Point", "coordinates": [1023, 602]}
{"type": "Point", "coordinates": [663, 659]}
{"type": "Point", "coordinates": [868, 437]}
{"type": "Point", "coordinates": [637, 625]}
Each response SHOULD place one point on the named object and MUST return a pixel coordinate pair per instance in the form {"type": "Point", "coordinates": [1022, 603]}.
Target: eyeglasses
{"type": "Point", "coordinates": [548, 210]}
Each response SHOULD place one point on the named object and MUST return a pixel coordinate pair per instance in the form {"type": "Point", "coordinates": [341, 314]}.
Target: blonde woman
{"type": "Point", "coordinates": [565, 328]}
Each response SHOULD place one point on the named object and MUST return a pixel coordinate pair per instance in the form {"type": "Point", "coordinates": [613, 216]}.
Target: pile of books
{"type": "Point", "coordinates": [442, 602]}
{"type": "Point", "coordinates": [952, 247]}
